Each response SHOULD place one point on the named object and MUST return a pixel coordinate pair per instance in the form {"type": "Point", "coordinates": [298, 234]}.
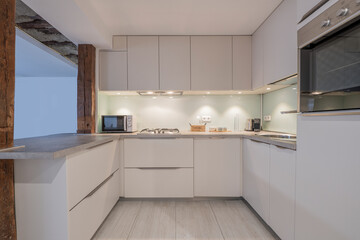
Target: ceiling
{"type": "Point", "coordinates": [32, 59]}
{"type": "Point", "coordinates": [95, 21]}
{"type": "Point", "coordinates": [183, 17]}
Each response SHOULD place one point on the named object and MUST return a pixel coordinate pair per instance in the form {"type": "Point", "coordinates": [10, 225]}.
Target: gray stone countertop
{"type": "Point", "coordinates": [54, 146]}
{"type": "Point", "coordinates": [244, 134]}
{"type": "Point", "coordinates": [61, 145]}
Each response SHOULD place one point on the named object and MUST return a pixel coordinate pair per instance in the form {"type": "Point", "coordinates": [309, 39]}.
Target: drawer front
{"type": "Point", "coordinates": [87, 217]}
{"type": "Point", "coordinates": [159, 183]}
{"type": "Point", "coordinates": [86, 170]}
{"type": "Point", "coordinates": [170, 152]}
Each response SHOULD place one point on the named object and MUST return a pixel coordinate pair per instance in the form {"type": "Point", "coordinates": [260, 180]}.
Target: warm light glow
{"type": "Point", "coordinates": [153, 97]}
{"type": "Point", "coordinates": [239, 92]}
{"type": "Point", "coordinates": [268, 88]}
{"type": "Point", "coordinates": [150, 92]}
{"type": "Point", "coordinates": [316, 93]}
{"type": "Point", "coordinates": [170, 92]}
{"type": "Point", "coordinates": [171, 97]}
{"type": "Point", "coordinates": [294, 88]}
{"type": "Point", "coordinates": [118, 93]}
{"type": "Point", "coordinates": [207, 92]}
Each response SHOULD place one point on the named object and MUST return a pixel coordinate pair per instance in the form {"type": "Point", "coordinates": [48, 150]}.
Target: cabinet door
{"type": "Point", "coordinates": [242, 62]}
{"type": "Point", "coordinates": [211, 63]}
{"type": "Point", "coordinates": [257, 59]}
{"type": "Point", "coordinates": [282, 192]}
{"type": "Point", "coordinates": [280, 43]}
{"type": "Point", "coordinates": [256, 176]}
{"type": "Point", "coordinates": [154, 153]}
{"type": "Point", "coordinates": [143, 62]}
{"type": "Point", "coordinates": [113, 71]}
{"type": "Point", "coordinates": [217, 166]}
{"type": "Point", "coordinates": [174, 62]}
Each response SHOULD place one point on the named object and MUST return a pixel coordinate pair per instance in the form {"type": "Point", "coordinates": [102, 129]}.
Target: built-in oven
{"type": "Point", "coordinates": [118, 123]}
{"type": "Point", "coordinates": [329, 50]}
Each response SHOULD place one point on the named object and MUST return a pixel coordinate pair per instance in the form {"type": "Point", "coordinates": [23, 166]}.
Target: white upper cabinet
{"type": "Point", "coordinates": [113, 71]}
{"type": "Point", "coordinates": [211, 63]}
{"type": "Point", "coordinates": [242, 62]}
{"type": "Point", "coordinates": [257, 59]}
{"type": "Point", "coordinates": [174, 62]}
{"type": "Point", "coordinates": [303, 6]}
{"type": "Point", "coordinates": [275, 44]}
{"type": "Point", "coordinates": [143, 62]}
{"type": "Point", "coordinates": [280, 43]}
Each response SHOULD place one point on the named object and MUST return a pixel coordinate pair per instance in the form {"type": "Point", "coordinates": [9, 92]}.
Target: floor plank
{"type": "Point", "coordinates": [237, 222]}
{"type": "Point", "coordinates": [196, 221]}
{"type": "Point", "coordinates": [120, 221]}
{"type": "Point", "coordinates": [156, 220]}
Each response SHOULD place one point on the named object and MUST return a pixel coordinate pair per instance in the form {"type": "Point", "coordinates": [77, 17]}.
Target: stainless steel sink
{"type": "Point", "coordinates": [282, 137]}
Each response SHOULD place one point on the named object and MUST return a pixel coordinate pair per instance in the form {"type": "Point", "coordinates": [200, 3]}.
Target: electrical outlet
{"type": "Point", "coordinates": [206, 119]}
{"type": "Point", "coordinates": [267, 118]}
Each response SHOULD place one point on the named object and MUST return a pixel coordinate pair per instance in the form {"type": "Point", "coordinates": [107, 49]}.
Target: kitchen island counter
{"type": "Point", "coordinates": [54, 146]}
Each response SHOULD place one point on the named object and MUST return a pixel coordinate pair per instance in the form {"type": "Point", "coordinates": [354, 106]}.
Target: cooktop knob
{"type": "Point", "coordinates": [344, 11]}
{"type": "Point", "coordinates": [326, 23]}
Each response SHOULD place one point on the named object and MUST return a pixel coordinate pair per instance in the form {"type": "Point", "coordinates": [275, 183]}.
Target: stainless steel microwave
{"type": "Point", "coordinates": [118, 123]}
{"type": "Point", "coordinates": [329, 48]}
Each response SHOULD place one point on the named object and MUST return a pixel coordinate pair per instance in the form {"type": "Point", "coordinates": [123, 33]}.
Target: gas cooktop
{"type": "Point", "coordinates": [160, 131]}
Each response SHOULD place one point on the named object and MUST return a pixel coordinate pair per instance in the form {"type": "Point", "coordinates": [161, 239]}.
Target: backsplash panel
{"type": "Point", "coordinates": [281, 100]}
{"type": "Point", "coordinates": [177, 112]}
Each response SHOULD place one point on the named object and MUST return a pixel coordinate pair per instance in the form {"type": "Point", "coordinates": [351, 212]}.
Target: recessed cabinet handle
{"type": "Point", "coordinates": [283, 147]}
{"type": "Point", "coordinates": [98, 145]}
{"type": "Point", "coordinates": [259, 142]}
{"type": "Point", "coordinates": [158, 168]}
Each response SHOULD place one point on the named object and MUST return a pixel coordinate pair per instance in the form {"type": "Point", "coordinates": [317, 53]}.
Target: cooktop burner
{"type": "Point", "coordinates": [160, 131]}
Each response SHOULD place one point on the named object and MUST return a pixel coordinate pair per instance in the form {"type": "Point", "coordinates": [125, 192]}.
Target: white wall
{"type": "Point", "coordinates": [44, 106]}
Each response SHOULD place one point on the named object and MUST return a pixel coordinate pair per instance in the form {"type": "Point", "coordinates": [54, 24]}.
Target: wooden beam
{"type": "Point", "coordinates": [86, 89]}
{"type": "Point", "coordinates": [7, 92]}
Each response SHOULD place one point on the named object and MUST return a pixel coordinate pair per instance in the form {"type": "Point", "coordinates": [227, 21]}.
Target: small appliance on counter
{"type": "Point", "coordinates": [257, 124]}
{"type": "Point", "coordinates": [249, 125]}
{"type": "Point", "coordinates": [253, 125]}
{"type": "Point", "coordinates": [197, 128]}
{"type": "Point", "coordinates": [118, 123]}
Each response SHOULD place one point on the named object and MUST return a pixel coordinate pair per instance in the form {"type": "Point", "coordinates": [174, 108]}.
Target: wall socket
{"type": "Point", "coordinates": [206, 119]}
{"type": "Point", "coordinates": [267, 118]}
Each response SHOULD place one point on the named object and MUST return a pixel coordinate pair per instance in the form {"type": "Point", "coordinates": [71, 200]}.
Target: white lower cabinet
{"type": "Point", "coordinates": [159, 182]}
{"type": "Point", "coordinates": [217, 167]}
{"type": "Point", "coordinates": [282, 192]}
{"type": "Point", "coordinates": [87, 217]}
{"type": "Point", "coordinates": [66, 198]}
{"type": "Point", "coordinates": [256, 157]}
{"type": "Point", "coordinates": [159, 168]}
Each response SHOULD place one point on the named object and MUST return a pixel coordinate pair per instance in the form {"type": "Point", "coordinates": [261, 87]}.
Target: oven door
{"type": "Point", "coordinates": [330, 71]}
{"type": "Point", "coordinates": [114, 123]}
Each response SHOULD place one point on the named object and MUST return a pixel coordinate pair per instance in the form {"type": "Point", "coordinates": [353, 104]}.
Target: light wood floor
{"type": "Point", "coordinates": [194, 220]}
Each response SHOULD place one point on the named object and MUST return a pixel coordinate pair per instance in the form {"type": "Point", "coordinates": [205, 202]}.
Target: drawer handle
{"type": "Point", "coordinates": [283, 147]}
{"type": "Point", "coordinates": [259, 141]}
{"type": "Point", "coordinates": [158, 168]}
{"type": "Point", "coordinates": [95, 190]}
{"type": "Point", "coordinates": [98, 145]}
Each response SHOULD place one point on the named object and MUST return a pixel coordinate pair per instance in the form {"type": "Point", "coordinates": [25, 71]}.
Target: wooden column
{"type": "Point", "coordinates": [7, 92]}
{"type": "Point", "coordinates": [86, 89]}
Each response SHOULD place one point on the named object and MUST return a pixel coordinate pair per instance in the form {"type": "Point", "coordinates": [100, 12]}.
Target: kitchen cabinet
{"type": "Point", "coordinates": [257, 58]}
{"type": "Point", "coordinates": [327, 178]}
{"type": "Point", "coordinates": [304, 6]}
{"type": "Point", "coordinates": [241, 62]}
{"type": "Point", "coordinates": [217, 167]}
{"type": "Point", "coordinates": [211, 62]}
{"type": "Point", "coordinates": [143, 62]}
{"type": "Point", "coordinates": [274, 49]}
{"type": "Point", "coordinates": [174, 62]}
{"type": "Point", "coordinates": [256, 169]}
{"type": "Point", "coordinates": [72, 195]}
{"type": "Point", "coordinates": [280, 43]}
{"type": "Point", "coordinates": [159, 168]}
{"type": "Point", "coordinates": [113, 71]}
{"type": "Point", "coordinates": [282, 192]}
{"type": "Point", "coordinates": [152, 152]}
